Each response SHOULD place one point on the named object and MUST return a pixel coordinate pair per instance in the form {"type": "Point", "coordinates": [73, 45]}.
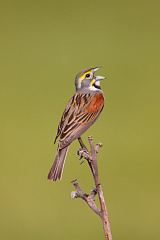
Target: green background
{"type": "Point", "coordinates": [43, 44]}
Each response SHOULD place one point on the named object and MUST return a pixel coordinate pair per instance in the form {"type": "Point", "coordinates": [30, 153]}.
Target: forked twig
{"type": "Point", "coordinates": [91, 157]}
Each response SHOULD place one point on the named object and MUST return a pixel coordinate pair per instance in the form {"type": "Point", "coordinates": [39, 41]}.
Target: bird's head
{"type": "Point", "coordinates": [86, 79]}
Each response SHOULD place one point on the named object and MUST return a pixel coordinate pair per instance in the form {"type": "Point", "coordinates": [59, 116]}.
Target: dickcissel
{"type": "Point", "coordinates": [80, 113]}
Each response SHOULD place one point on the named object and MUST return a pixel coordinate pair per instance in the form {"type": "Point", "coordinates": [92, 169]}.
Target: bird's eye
{"type": "Point", "coordinates": [87, 75]}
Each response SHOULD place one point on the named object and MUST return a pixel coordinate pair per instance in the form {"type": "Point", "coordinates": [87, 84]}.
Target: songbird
{"type": "Point", "coordinates": [81, 112]}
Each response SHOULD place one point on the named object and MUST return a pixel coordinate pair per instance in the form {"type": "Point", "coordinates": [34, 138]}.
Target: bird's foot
{"type": "Point", "coordinates": [83, 154]}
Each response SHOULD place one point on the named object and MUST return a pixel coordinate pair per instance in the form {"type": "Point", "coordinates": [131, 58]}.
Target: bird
{"type": "Point", "coordinates": [82, 110]}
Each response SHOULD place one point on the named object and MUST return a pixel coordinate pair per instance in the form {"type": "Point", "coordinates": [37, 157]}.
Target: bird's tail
{"type": "Point", "coordinates": [58, 165]}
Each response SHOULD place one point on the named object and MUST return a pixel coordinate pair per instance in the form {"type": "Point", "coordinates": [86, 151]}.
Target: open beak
{"type": "Point", "coordinates": [99, 78]}
{"type": "Point", "coordinates": [96, 69]}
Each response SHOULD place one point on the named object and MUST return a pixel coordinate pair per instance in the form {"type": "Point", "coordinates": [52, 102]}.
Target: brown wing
{"type": "Point", "coordinates": [80, 113]}
{"type": "Point", "coordinates": [64, 117]}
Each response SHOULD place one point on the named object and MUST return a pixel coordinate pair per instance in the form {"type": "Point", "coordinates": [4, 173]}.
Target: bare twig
{"type": "Point", "coordinates": [91, 157]}
{"type": "Point", "coordinates": [88, 198]}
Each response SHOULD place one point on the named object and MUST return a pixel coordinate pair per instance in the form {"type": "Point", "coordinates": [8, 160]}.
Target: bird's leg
{"type": "Point", "coordinates": [83, 148]}
{"type": "Point", "coordinates": [84, 153]}
{"type": "Point", "coordinates": [82, 144]}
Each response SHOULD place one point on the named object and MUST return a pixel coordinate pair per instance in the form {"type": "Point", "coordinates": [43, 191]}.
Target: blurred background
{"type": "Point", "coordinates": [43, 44]}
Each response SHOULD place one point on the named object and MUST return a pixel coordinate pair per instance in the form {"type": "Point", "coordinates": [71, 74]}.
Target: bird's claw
{"type": "Point", "coordinates": [82, 161]}
{"type": "Point", "coordinates": [82, 152]}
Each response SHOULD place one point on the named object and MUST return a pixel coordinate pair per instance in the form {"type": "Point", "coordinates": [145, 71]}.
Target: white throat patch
{"type": "Point", "coordinates": [93, 88]}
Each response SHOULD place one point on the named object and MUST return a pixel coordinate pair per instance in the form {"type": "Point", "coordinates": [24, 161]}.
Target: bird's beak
{"type": "Point", "coordinates": [99, 78]}
{"type": "Point", "coordinates": [96, 69]}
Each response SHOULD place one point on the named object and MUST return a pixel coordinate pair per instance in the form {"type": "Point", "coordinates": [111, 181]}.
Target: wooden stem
{"type": "Point", "coordinates": [91, 158]}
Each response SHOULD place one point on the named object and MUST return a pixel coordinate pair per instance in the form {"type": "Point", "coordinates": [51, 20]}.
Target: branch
{"type": "Point", "coordinates": [88, 198]}
{"type": "Point", "coordinates": [91, 157]}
